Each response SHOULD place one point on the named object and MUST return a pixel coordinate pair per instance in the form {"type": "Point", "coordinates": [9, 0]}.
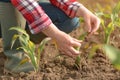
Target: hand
{"type": "Point", "coordinates": [64, 42]}
{"type": "Point", "coordinates": [92, 22]}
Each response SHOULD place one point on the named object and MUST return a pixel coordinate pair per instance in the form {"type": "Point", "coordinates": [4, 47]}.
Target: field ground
{"type": "Point", "coordinates": [62, 68]}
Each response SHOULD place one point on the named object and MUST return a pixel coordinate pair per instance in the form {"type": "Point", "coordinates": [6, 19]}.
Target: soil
{"type": "Point", "coordinates": [63, 68]}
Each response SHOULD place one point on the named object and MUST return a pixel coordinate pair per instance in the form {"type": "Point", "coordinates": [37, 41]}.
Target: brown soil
{"type": "Point", "coordinates": [63, 68]}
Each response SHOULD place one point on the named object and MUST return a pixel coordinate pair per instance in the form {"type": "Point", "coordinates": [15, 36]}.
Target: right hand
{"type": "Point", "coordinates": [66, 44]}
{"type": "Point", "coordinates": [92, 22]}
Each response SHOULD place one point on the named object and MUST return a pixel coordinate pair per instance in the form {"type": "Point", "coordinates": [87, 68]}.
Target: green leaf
{"type": "Point", "coordinates": [42, 44]}
{"type": "Point", "coordinates": [81, 19]}
{"type": "Point", "coordinates": [23, 40]}
{"type": "Point", "coordinates": [41, 47]}
{"type": "Point", "coordinates": [34, 62]}
{"type": "Point", "coordinates": [113, 54]}
{"type": "Point", "coordinates": [82, 37]}
{"type": "Point", "coordinates": [25, 49]}
{"type": "Point", "coordinates": [100, 8]}
{"type": "Point", "coordinates": [103, 24]}
{"type": "Point", "coordinates": [116, 8]}
{"type": "Point", "coordinates": [107, 16]}
{"type": "Point", "coordinates": [77, 61]}
{"type": "Point", "coordinates": [93, 50]}
{"type": "Point", "coordinates": [14, 38]}
{"type": "Point", "coordinates": [109, 29]}
{"type": "Point", "coordinates": [31, 46]}
{"type": "Point", "coordinates": [21, 30]}
{"type": "Point", "coordinates": [99, 14]}
{"type": "Point", "coordinates": [23, 61]}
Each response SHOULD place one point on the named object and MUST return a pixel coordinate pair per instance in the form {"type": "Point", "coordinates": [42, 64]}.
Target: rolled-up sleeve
{"type": "Point", "coordinates": [37, 19]}
{"type": "Point", "coordinates": [70, 7]}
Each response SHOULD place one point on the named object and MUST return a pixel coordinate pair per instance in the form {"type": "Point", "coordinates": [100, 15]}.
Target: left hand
{"type": "Point", "coordinates": [92, 22]}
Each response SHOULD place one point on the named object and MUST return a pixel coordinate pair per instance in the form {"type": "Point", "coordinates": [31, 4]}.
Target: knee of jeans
{"type": "Point", "coordinates": [75, 23]}
{"type": "Point", "coordinates": [69, 25]}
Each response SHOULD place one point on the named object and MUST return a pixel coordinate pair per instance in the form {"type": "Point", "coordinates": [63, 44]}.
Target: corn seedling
{"type": "Point", "coordinates": [112, 53]}
{"type": "Point", "coordinates": [81, 37]}
{"type": "Point", "coordinates": [77, 60]}
{"type": "Point", "coordinates": [114, 21]}
{"type": "Point", "coordinates": [108, 28]}
{"type": "Point", "coordinates": [28, 47]}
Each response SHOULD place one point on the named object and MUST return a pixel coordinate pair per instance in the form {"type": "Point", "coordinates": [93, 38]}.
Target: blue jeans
{"type": "Point", "coordinates": [59, 18]}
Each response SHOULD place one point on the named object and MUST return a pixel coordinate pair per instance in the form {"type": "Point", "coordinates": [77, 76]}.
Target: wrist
{"type": "Point", "coordinates": [52, 31]}
{"type": "Point", "coordinates": [81, 11]}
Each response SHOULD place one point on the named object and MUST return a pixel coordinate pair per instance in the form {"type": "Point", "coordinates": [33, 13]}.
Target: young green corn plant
{"type": "Point", "coordinates": [114, 21]}
{"type": "Point", "coordinates": [109, 28]}
{"type": "Point", "coordinates": [82, 38]}
{"type": "Point", "coordinates": [112, 53]}
{"type": "Point", "coordinates": [78, 58]}
{"type": "Point", "coordinates": [28, 47]}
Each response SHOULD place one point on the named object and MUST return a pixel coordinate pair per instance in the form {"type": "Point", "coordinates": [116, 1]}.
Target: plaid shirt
{"type": "Point", "coordinates": [37, 18]}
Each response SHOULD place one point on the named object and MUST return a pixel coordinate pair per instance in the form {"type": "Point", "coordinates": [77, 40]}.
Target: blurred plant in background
{"type": "Point", "coordinates": [110, 21]}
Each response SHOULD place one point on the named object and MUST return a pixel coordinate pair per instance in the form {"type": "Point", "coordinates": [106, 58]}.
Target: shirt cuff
{"type": "Point", "coordinates": [37, 26]}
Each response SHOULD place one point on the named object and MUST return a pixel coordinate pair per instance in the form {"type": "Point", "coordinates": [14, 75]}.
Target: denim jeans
{"type": "Point", "coordinates": [59, 18]}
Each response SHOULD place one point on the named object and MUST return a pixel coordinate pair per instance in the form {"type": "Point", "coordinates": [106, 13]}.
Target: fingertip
{"type": "Point", "coordinates": [76, 44]}
{"type": "Point", "coordinates": [77, 52]}
{"type": "Point", "coordinates": [89, 30]}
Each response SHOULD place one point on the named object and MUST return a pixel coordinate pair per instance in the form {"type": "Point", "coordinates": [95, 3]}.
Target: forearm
{"type": "Point", "coordinates": [82, 11]}
{"type": "Point", "coordinates": [52, 31]}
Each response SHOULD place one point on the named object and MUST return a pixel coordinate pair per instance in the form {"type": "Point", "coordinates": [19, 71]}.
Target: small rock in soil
{"type": "Point", "coordinates": [49, 70]}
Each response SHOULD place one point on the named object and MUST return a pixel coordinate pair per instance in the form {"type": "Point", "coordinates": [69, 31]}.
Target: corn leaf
{"type": "Point", "coordinates": [23, 41]}
{"type": "Point", "coordinates": [21, 30]}
{"type": "Point", "coordinates": [103, 24]}
{"type": "Point", "coordinates": [14, 38]}
{"type": "Point", "coordinates": [23, 61]}
{"type": "Point", "coordinates": [25, 49]}
{"type": "Point", "coordinates": [109, 29]}
{"type": "Point", "coordinates": [116, 8]}
{"type": "Point", "coordinates": [93, 50]}
{"type": "Point", "coordinates": [77, 61]}
{"type": "Point", "coordinates": [100, 7]}
{"type": "Point", "coordinates": [34, 61]}
{"type": "Point", "coordinates": [31, 46]}
{"type": "Point", "coordinates": [41, 47]}
{"type": "Point", "coordinates": [99, 14]}
{"type": "Point", "coordinates": [78, 58]}
{"type": "Point", "coordinates": [81, 19]}
{"type": "Point", "coordinates": [113, 54]}
{"type": "Point", "coordinates": [82, 37]}
{"type": "Point", "coordinates": [42, 44]}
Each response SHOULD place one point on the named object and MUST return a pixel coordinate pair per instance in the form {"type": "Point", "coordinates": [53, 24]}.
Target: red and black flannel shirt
{"type": "Point", "coordinates": [37, 18]}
